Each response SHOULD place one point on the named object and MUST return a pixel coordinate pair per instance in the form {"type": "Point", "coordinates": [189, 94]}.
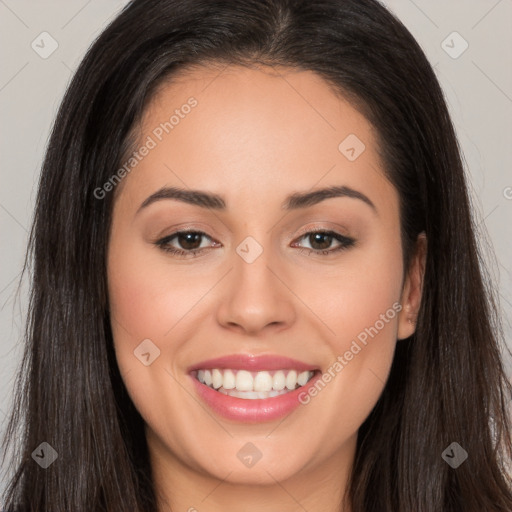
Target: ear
{"type": "Point", "coordinates": [412, 289]}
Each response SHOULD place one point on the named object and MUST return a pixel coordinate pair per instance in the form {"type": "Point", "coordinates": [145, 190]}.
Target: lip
{"type": "Point", "coordinates": [252, 363]}
{"type": "Point", "coordinates": [252, 411]}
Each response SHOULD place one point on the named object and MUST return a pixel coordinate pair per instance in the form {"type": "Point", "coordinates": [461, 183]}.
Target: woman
{"type": "Point", "coordinates": [186, 350]}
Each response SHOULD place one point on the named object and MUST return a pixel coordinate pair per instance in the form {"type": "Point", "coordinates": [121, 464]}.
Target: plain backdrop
{"type": "Point", "coordinates": [468, 42]}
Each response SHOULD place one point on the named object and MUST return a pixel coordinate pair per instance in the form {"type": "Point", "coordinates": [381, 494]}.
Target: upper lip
{"type": "Point", "coordinates": [252, 363]}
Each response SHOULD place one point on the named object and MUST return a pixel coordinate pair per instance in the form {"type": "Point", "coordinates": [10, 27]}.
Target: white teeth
{"type": "Point", "coordinates": [253, 385]}
{"type": "Point", "coordinates": [244, 381]}
{"type": "Point", "coordinates": [291, 379]}
{"type": "Point", "coordinates": [217, 379]}
{"type": "Point", "coordinates": [303, 378]}
{"type": "Point", "coordinates": [254, 395]}
{"type": "Point", "coordinates": [279, 381]}
{"type": "Point", "coordinates": [229, 380]}
{"type": "Point", "coordinates": [263, 382]}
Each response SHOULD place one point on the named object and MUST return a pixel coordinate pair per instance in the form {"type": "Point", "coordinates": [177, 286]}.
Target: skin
{"type": "Point", "coordinates": [256, 136]}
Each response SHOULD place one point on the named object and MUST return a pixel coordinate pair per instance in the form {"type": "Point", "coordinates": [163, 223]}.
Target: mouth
{"type": "Point", "coordinates": [253, 385]}
{"type": "Point", "coordinates": [253, 388]}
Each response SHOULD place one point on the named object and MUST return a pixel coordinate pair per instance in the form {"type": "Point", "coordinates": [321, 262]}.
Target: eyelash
{"type": "Point", "coordinates": [345, 243]}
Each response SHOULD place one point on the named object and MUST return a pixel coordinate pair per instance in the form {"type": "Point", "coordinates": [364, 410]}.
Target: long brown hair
{"type": "Point", "coordinates": [447, 382]}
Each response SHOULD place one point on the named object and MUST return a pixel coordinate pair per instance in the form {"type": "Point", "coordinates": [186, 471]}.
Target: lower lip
{"type": "Point", "coordinates": [252, 411]}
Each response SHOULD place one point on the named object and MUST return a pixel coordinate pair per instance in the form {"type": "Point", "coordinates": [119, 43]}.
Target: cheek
{"type": "Point", "coordinates": [359, 311]}
{"type": "Point", "coordinates": [143, 306]}
{"type": "Point", "coordinates": [360, 292]}
{"type": "Point", "coordinates": [147, 299]}
{"type": "Point", "coordinates": [146, 305]}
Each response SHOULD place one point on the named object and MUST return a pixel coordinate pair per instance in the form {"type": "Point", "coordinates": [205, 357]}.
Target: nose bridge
{"type": "Point", "coordinates": [255, 296]}
{"type": "Point", "coordinates": [251, 265]}
{"type": "Point", "coordinates": [253, 281]}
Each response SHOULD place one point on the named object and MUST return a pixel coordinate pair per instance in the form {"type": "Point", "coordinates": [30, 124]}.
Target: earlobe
{"type": "Point", "coordinates": [412, 290]}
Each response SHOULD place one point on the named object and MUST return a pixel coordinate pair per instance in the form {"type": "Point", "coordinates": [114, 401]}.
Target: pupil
{"type": "Point", "coordinates": [188, 240]}
{"type": "Point", "coordinates": [317, 236]}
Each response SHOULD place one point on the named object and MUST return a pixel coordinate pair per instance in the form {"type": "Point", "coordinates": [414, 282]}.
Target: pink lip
{"type": "Point", "coordinates": [253, 363]}
{"type": "Point", "coordinates": [252, 411]}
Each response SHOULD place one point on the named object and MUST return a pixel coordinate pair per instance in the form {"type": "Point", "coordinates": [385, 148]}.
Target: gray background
{"type": "Point", "coordinates": [477, 84]}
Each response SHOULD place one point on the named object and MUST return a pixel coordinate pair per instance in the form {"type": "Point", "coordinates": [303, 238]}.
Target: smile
{"type": "Point", "coordinates": [253, 385]}
{"type": "Point", "coordinates": [253, 388]}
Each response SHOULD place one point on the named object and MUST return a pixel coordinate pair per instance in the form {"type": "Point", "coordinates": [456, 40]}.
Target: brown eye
{"type": "Point", "coordinates": [189, 241]}
{"type": "Point", "coordinates": [321, 241]}
{"type": "Point", "coordinates": [184, 243]}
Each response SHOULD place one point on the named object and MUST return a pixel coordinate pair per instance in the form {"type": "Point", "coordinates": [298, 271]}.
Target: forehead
{"type": "Point", "coordinates": [261, 129]}
{"type": "Point", "coordinates": [283, 102]}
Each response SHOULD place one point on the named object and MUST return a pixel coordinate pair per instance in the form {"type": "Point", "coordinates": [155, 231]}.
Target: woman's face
{"type": "Point", "coordinates": [260, 291]}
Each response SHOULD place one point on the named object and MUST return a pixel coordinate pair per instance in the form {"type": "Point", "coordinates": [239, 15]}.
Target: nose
{"type": "Point", "coordinates": [256, 296]}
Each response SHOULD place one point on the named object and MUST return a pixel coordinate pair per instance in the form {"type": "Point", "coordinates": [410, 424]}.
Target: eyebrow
{"type": "Point", "coordinates": [293, 202]}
